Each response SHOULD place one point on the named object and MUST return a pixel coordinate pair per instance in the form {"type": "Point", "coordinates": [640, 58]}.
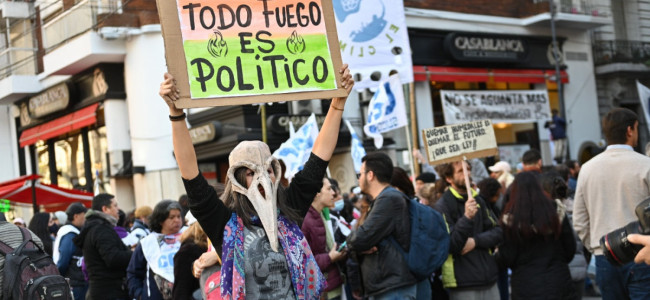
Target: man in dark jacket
{"type": "Point", "coordinates": [105, 255]}
{"type": "Point", "coordinates": [384, 272]}
{"type": "Point", "coordinates": [471, 271]}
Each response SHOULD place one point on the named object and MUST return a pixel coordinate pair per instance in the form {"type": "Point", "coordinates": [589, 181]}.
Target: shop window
{"type": "Point", "coordinates": [209, 171]}
{"type": "Point", "coordinates": [496, 85]}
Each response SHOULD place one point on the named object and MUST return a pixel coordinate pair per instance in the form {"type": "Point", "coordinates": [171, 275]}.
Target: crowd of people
{"type": "Point", "coordinates": [521, 235]}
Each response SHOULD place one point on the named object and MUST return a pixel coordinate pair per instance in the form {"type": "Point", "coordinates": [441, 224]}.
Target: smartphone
{"type": "Point", "coordinates": [342, 246]}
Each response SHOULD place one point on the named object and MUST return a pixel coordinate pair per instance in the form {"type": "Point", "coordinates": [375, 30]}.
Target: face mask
{"type": "Point", "coordinates": [338, 205]}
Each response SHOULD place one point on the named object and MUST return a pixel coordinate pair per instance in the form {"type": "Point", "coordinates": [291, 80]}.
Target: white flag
{"type": "Point", "coordinates": [296, 150]}
{"type": "Point", "coordinates": [356, 148]}
{"type": "Point", "coordinates": [644, 98]}
{"type": "Point", "coordinates": [386, 110]}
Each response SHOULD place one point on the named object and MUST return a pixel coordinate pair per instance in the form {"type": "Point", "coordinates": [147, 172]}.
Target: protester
{"type": "Point", "coordinates": [256, 210]}
{"type": "Point", "coordinates": [401, 181]}
{"type": "Point", "coordinates": [610, 187]}
{"type": "Point", "coordinates": [574, 171]}
{"type": "Point", "coordinates": [140, 227]}
{"type": "Point", "coordinates": [67, 256]}
{"type": "Point", "coordinates": [538, 243]}
{"type": "Point", "coordinates": [150, 274]}
{"type": "Point", "coordinates": [491, 190]}
{"type": "Point", "coordinates": [383, 270]}
{"type": "Point", "coordinates": [194, 243]}
{"type": "Point", "coordinates": [119, 226]}
{"type": "Point", "coordinates": [11, 235]}
{"type": "Point", "coordinates": [532, 161]}
{"type": "Point", "coordinates": [319, 234]}
{"type": "Point", "coordinates": [105, 256]}
{"type": "Point", "coordinates": [557, 126]}
{"type": "Point", "coordinates": [422, 180]}
{"type": "Point", "coordinates": [501, 172]}
{"type": "Point", "coordinates": [19, 222]}
{"type": "Point", "coordinates": [40, 225]}
{"type": "Point", "coordinates": [470, 272]}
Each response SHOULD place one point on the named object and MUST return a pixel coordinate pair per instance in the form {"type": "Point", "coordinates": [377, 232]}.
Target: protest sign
{"type": "Point", "coordinates": [503, 106]}
{"type": "Point", "coordinates": [241, 52]}
{"type": "Point", "coordinates": [453, 142]}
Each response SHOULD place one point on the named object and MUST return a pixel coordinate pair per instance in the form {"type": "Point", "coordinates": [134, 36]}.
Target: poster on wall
{"type": "Point", "coordinates": [499, 106]}
{"type": "Point", "coordinates": [374, 40]}
{"type": "Point", "coordinates": [512, 154]}
{"type": "Point", "coordinates": [456, 142]}
{"type": "Point", "coordinates": [241, 52]}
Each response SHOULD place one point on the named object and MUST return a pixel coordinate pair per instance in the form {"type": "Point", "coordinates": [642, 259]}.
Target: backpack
{"type": "Point", "coordinates": [30, 273]}
{"type": "Point", "coordinates": [429, 246]}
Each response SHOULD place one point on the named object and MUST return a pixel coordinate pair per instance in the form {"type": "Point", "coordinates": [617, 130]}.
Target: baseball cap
{"type": "Point", "coordinates": [61, 216]}
{"type": "Point", "coordinates": [502, 166]}
{"type": "Point", "coordinates": [19, 221]}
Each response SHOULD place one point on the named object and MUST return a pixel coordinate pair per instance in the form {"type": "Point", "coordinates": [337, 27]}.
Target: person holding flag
{"type": "Point", "coordinates": [256, 227]}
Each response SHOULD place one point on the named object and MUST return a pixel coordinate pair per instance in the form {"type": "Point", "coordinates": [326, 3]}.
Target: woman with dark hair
{"type": "Point", "coordinates": [538, 243]}
{"type": "Point", "coordinates": [401, 181]}
{"type": "Point", "coordinates": [40, 225]}
{"type": "Point", "coordinates": [194, 243]}
{"type": "Point", "coordinates": [150, 274]}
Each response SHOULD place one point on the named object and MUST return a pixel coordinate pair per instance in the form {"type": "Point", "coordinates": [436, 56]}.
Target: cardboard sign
{"type": "Point", "coordinates": [242, 51]}
{"type": "Point", "coordinates": [453, 142]}
{"type": "Point", "coordinates": [506, 106]}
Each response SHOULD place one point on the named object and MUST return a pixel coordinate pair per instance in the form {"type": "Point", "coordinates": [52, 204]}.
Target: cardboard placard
{"type": "Point", "coordinates": [453, 142]}
{"type": "Point", "coordinates": [242, 52]}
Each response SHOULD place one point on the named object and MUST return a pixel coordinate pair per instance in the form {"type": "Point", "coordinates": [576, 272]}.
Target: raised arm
{"type": "Point", "coordinates": [183, 148]}
{"type": "Point", "coordinates": [329, 133]}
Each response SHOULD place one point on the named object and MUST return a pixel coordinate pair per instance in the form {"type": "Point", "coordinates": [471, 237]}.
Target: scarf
{"type": "Point", "coordinates": [308, 281]}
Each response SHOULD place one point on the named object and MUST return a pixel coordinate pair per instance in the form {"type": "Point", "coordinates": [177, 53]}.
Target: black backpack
{"type": "Point", "coordinates": [30, 273]}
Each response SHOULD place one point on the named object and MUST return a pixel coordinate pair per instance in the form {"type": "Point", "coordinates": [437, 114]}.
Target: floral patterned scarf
{"type": "Point", "coordinates": [308, 281]}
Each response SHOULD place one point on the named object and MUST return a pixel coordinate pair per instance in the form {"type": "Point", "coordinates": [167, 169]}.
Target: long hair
{"type": "Point", "coordinates": [195, 234]}
{"type": "Point", "coordinates": [530, 212]}
{"type": "Point", "coordinates": [39, 226]}
{"type": "Point", "coordinates": [244, 208]}
{"type": "Point", "coordinates": [401, 181]}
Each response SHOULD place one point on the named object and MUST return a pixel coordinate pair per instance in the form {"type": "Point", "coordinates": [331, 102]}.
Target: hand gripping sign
{"type": "Point", "coordinates": [231, 52]}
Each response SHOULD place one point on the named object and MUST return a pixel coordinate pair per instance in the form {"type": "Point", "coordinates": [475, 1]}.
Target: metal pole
{"type": "Point", "coordinates": [263, 113]}
{"type": "Point", "coordinates": [88, 173]}
{"type": "Point", "coordinates": [32, 159]}
{"type": "Point", "coordinates": [556, 57]}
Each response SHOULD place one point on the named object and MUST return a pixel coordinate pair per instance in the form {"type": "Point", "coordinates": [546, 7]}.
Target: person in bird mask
{"type": "Point", "coordinates": [256, 226]}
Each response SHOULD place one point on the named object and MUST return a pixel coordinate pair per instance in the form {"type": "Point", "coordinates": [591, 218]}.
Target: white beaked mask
{"type": "Point", "coordinates": [256, 156]}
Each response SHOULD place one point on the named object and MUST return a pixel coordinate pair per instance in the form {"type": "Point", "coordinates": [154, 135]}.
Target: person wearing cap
{"type": "Point", "coordinates": [19, 222]}
{"type": "Point", "coordinates": [66, 254]}
{"type": "Point", "coordinates": [421, 181]}
{"type": "Point", "coordinates": [501, 172]}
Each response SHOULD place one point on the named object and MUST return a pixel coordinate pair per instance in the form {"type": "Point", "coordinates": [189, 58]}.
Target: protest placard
{"type": "Point", "coordinates": [454, 142]}
{"type": "Point", "coordinates": [241, 52]}
{"type": "Point", "coordinates": [500, 106]}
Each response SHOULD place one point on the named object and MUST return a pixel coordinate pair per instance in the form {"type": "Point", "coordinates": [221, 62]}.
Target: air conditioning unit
{"type": "Point", "coordinates": [119, 163]}
{"type": "Point", "coordinates": [113, 33]}
{"type": "Point", "coordinates": [306, 107]}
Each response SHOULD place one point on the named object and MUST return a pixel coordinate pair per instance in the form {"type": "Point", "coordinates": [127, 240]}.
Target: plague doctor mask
{"type": "Point", "coordinates": [256, 156]}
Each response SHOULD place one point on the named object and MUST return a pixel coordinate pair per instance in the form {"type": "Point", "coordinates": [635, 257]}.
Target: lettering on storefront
{"type": "Point", "coordinates": [205, 133]}
{"type": "Point", "coordinates": [279, 124]}
{"type": "Point", "coordinates": [454, 142]}
{"type": "Point", "coordinates": [52, 100]}
{"type": "Point", "coordinates": [466, 47]}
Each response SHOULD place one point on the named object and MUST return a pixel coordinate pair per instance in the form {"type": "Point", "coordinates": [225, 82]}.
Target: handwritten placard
{"type": "Point", "coordinates": [242, 51]}
{"type": "Point", "coordinates": [504, 106]}
{"type": "Point", "coordinates": [453, 142]}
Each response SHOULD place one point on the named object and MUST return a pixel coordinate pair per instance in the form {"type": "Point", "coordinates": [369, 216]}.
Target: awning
{"type": "Point", "coordinates": [76, 120]}
{"type": "Point", "coordinates": [452, 74]}
{"type": "Point", "coordinates": [51, 197]}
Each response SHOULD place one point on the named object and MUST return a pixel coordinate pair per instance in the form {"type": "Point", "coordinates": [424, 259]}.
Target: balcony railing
{"type": "Point", "coordinates": [621, 51]}
{"type": "Point", "coordinates": [579, 7]}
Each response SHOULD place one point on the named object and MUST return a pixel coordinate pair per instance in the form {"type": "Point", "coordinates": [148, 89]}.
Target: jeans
{"type": "Point", "coordinates": [423, 290]}
{"type": "Point", "coordinates": [630, 281]}
{"type": "Point", "coordinates": [406, 292]}
{"type": "Point", "coordinates": [79, 292]}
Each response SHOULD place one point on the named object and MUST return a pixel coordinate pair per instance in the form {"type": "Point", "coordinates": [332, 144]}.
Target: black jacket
{"type": "Point", "coordinates": [385, 269]}
{"type": "Point", "coordinates": [184, 281]}
{"type": "Point", "coordinates": [539, 266]}
{"type": "Point", "coordinates": [106, 257]}
{"type": "Point", "coordinates": [476, 268]}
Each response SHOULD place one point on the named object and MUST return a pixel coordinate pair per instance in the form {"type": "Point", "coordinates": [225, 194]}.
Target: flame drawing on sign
{"type": "Point", "coordinates": [295, 43]}
{"type": "Point", "coordinates": [217, 46]}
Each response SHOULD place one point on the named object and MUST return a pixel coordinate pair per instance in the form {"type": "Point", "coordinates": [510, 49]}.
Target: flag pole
{"type": "Point", "coordinates": [414, 129]}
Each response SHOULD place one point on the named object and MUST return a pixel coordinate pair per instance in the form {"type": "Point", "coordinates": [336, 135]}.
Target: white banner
{"type": "Point", "coordinates": [373, 38]}
{"type": "Point", "coordinates": [502, 106]}
{"type": "Point", "coordinates": [644, 98]}
{"type": "Point", "coordinates": [386, 110]}
{"type": "Point", "coordinates": [356, 148]}
{"type": "Point", "coordinates": [296, 150]}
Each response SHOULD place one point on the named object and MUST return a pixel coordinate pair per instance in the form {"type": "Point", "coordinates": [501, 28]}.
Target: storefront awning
{"type": "Point", "coordinates": [52, 197]}
{"type": "Point", "coordinates": [76, 120]}
{"type": "Point", "coordinates": [452, 74]}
